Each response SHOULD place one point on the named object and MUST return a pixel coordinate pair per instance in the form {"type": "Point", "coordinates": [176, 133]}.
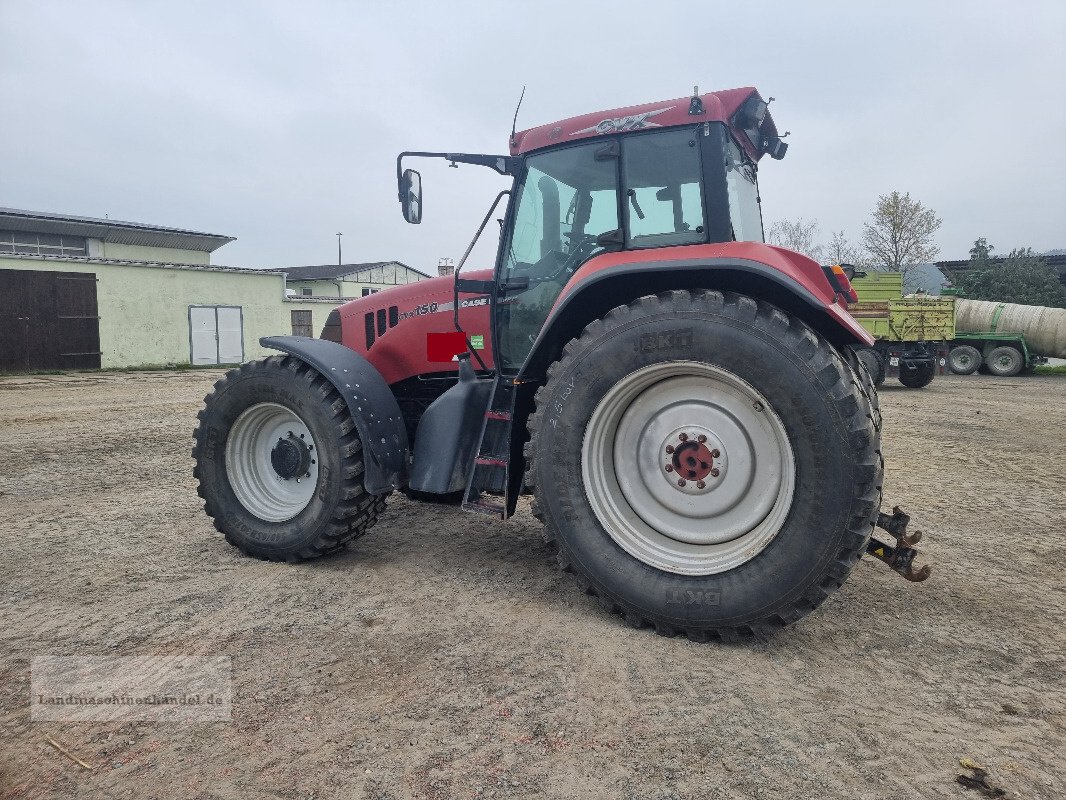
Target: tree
{"type": "Point", "coordinates": [900, 235]}
{"type": "Point", "coordinates": [1022, 277]}
{"type": "Point", "coordinates": [799, 235]}
{"type": "Point", "coordinates": [841, 251]}
{"type": "Point", "coordinates": [980, 253]}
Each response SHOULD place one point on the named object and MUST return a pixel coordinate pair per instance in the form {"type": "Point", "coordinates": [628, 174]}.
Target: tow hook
{"type": "Point", "coordinates": [901, 557]}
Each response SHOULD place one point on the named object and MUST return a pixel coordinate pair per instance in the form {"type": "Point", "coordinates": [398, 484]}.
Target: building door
{"type": "Point", "coordinates": [48, 320]}
{"type": "Point", "coordinates": [301, 323]}
{"type": "Point", "coordinates": [216, 335]}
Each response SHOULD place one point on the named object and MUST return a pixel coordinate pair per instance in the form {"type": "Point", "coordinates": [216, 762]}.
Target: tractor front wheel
{"type": "Point", "coordinates": [279, 462]}
{"type": "Point", "coordinates": [705, 463]}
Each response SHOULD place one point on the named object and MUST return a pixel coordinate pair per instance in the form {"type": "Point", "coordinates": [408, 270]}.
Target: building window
{"type": "Point", "coordinates": [306, 291]}
{"type": "Point", "coordinates": [367, 291]}
{"type": "Point", "coordinates": [21, 243]}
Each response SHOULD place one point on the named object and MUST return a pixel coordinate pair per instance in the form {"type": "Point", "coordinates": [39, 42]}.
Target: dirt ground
{"type": "Point", "coordinates": [444, 656]}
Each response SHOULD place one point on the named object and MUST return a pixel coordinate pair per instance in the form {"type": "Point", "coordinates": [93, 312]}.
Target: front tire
{"type": "Point", "coordinates": [279, 464]}
{"type": "Point", "coordinates": [758, 545]}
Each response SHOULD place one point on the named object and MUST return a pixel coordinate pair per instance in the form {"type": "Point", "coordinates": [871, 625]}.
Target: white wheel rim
{"type": "Point", "coordinates": [664, 500]}
{"type": "Point", "coordinates": [250, 464]}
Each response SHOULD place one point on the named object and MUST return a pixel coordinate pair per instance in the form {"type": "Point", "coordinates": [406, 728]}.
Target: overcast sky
{"type": "Point", "coordinates": [279, 123]}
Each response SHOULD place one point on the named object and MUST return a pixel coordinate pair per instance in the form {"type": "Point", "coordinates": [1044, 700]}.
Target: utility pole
{"type": "Point", "coordinates": [339, 262]}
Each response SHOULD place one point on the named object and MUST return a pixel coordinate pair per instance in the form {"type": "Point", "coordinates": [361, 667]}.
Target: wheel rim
{"type": "Point", "coordinates": [271, 462]}
{"type": "Point", "coordinates": [962, 361]}
{"type": "Point", "coordinates": [688, 468]}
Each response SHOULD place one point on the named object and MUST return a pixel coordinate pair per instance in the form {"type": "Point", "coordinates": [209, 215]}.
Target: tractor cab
{"type": "Point", "coordinates": [661, 175]}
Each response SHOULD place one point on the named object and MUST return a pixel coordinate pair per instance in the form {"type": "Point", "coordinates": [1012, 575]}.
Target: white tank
{"type": "Point", "coordinates": [1044, 329]}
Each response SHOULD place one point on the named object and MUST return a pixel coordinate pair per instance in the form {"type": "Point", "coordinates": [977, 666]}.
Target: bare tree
{"type": "Point", "coordinates": [841, 251]}
{"type": "Point", "coordinates": [799, 235]}
{"type": "Point", "coordinates": [900, 235]}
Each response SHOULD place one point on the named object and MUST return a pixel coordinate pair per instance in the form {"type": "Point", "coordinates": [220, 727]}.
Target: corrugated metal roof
{"type": "Point", "coordinates": [150, 264]}
{"type": "Point", "coordinates": [110, 230]}
{"type": "Point", "coordinates": [336, 271]}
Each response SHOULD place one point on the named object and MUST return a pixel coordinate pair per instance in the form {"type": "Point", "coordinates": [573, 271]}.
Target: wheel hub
{"type": "Point", "coordinates": [272, 462]}
{"type": "Point", "coordinates": [290, 457]}
{"type": "Point", "coordinates": [693, 460]}
{"type": "Point", "coordinates": [688, 468]}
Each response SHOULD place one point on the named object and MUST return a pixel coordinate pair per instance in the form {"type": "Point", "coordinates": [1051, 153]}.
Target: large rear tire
{"type": "Point", "coordinates": [279, 462]}
{"type": "Point", "coordinates": [705, 463]}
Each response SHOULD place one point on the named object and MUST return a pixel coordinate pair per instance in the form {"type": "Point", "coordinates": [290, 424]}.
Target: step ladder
{"type": "Point", "coordinates": [486, 485]}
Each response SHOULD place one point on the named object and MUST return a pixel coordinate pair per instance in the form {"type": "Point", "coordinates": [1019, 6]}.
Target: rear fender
{"type": "Point", "coordinates": [371, 404]}
{"type": "Point", "coordinates": [590, 295]}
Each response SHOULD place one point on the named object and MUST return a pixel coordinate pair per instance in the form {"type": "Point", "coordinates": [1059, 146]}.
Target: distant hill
{"type": "Point", "coordinates": [926, 277]}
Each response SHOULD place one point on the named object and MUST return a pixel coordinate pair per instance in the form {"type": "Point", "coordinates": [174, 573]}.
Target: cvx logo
{"type": "Point", "coordinates": [632, 122]}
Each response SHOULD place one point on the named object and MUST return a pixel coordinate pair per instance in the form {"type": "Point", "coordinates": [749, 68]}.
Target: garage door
{"type": "Point", "coordinates": [48, 320]}
{"type": "Point", "coordinates": [216, 335]}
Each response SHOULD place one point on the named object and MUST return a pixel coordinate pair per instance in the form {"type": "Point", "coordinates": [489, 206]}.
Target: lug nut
{"type": "Point", "coordinates": [683, 437]}
{"type": "Point", "coordinates": [701, 485]}
{"type": "Point", "coordinates": [669, 467]}
{"type": "Point", "coordinates": [714, 472]}
{"type": "Point", "coordinates": [669, 448]}
{"type": "Point", "coordinates": [715, 454]}
{"type": "Point", "coordinates": [680, 481]}
{"type": "Point", "coordinates": [701, 438]}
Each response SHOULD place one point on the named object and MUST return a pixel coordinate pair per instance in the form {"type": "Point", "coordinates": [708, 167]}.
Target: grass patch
{"type": "Point", "coordinates": [1045, 369]}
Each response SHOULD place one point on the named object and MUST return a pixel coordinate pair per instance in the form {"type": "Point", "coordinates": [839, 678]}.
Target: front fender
{"type": "Point", "coordinates": [370, 401]}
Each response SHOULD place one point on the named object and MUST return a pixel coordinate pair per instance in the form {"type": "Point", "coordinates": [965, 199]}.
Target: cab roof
{"type": "Point", "coordinates": [720, 106]}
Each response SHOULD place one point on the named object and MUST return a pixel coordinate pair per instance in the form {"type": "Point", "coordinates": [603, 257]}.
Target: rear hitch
{"type": "Point", "coordinates": [900, 557]}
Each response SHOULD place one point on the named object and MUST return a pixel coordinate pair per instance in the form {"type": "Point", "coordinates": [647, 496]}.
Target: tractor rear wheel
{"type": "Point", "coordinates": [964, 359]}
{"type": "Point", "coordinates": [705, 463]}
{"type": "Point", "coordinates": [279, 462]}
{"type": "Point", "coordinates": [1005, 362]}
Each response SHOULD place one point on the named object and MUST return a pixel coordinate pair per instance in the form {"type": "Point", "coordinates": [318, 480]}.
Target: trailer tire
{"type": "Point", "coordinates": [918, 377]}
{"type": "Point", "coordinates": [760, 364]}
{"type": "Point", "coordinates": [239, 467]}
{"type": "Point", "coordinates": [1005, 362]}
{"type": "Point", "coordinates": [964, 359]}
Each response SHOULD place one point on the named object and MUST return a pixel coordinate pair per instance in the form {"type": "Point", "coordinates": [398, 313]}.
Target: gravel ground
{"type": "Point", "coordinates": [444, 656]}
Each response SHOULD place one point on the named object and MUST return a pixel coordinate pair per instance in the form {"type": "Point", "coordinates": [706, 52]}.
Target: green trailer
{"type": "Point", "coordinates": [911, 332]}
{"type": "Point", "coordinates": [998, 352]}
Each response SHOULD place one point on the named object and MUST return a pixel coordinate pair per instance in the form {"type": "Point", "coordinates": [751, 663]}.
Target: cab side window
{"type": "Point", "coordinates": [663, 198]}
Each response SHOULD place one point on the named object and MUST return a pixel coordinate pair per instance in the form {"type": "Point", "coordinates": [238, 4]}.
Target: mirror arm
{"type": "Point", "coordinates": [505, 165]}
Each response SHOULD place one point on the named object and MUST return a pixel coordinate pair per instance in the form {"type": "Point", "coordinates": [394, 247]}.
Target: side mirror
{"type": "Point", "coordinates": [411, 196]}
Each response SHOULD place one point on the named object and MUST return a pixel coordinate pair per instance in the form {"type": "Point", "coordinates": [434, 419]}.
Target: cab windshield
{"type": "Point", "coordinates": [567, 200]}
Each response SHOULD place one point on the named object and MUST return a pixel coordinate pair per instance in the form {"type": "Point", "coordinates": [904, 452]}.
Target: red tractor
{"type": "Point", "coordinates": [682, 400]}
